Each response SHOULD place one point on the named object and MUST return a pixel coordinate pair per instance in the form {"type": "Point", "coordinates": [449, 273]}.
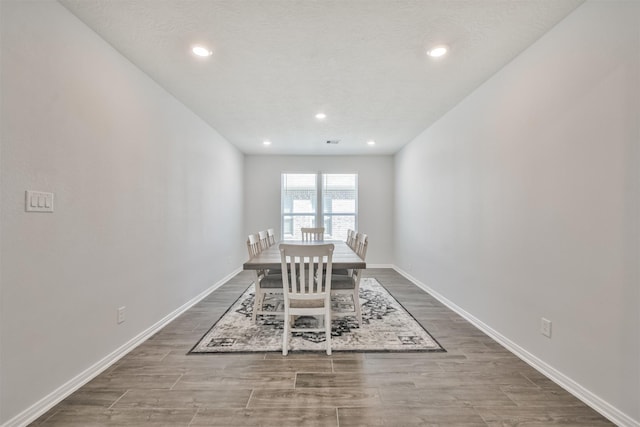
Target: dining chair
{"type": "Point", "coordinates": [267, 282]}
{"type": "Point", "coordinates": [351, 242]}
{"type": "Point", "coordinates": [253, 245]}
{"type": "Point", "coordinates": [348, 285]}
{"type": "Point", "coordinates": [315, 233]}
{"type": "Point", "coordinates": [361, 245]}
{"type": "Point", "coordinates": [307, 289]}
{"type": "Point", "coordinates": [264, 239]}
{"type": "Point", "coordinates": [351, 238]}
{"type": "Point", "coordinates": [348, 282]}
{"type": "Point", "coordinates": [271, 235]}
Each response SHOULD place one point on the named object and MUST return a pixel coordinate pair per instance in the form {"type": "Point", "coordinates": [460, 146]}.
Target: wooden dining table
{"type": "Point", "coordinates": [343, 256]}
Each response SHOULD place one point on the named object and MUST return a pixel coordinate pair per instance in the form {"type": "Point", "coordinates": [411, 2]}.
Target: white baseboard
{"type": "Point", "coordinates": [587, 397]}
{"type": "Point", "coordinates": [380, 266]}
{"type": "Point", "coordinates": [43, 405]}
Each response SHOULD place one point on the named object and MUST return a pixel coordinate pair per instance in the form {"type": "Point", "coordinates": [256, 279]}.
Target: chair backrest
{"type": "Point", "coordinates": [271, 235]}
{"type": "Point", "coordinates": [253, 245]}
{"type": "Point", "coordinates": [307, 265]}
{"type": "Point", "coordinates": [351, 238]}
{"type": "Point", "coordinates": [316, 233]}
{"type": "Point", "coordinates": [264, 239]}
{"type": "Point", "coordinates": [362, 242]}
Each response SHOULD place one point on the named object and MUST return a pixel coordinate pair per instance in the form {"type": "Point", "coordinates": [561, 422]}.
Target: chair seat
{"type": "Point", "coordinates": [342, 282]}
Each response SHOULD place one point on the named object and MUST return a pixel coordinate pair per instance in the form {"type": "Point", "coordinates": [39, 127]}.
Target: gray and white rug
{"type": "Point", "coordinates": [386, 326]}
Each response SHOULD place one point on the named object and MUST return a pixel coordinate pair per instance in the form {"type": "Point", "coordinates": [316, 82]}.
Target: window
{"type": "Point", "coordinates": [339, 204]}
{"type": "Point", "coordinates": [299, 202]}
{"type": "Point", "coordinates": [309, 199]}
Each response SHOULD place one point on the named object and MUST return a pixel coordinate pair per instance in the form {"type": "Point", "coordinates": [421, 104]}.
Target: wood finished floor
{"type": "Point", "coordinates": [476, 383]}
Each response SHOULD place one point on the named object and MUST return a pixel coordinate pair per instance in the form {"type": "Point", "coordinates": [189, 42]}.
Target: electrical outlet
{"type": "Point", "coordinates": [545, 327]}
{"type": "Point", "coordinates": [121, 314]}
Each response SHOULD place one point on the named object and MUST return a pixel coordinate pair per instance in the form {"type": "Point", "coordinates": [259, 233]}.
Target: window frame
{"type": "Point", "coordinates": [319, 215]}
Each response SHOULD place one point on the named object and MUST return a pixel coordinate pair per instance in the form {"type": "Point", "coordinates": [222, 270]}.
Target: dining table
{"type": "Point", "coordinates": [343, 256]}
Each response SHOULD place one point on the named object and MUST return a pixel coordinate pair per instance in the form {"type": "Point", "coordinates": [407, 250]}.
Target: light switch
{"type": "Point", "coordinates": [38, 201]}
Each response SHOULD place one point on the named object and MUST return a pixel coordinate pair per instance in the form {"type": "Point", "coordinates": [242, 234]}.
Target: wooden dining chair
{"type": "Point", "coordinates": [269, 284]}
{"type": "Point", "coordinates": [253, 245]}
{"type": "Point", "coordinates": [307, 289]}
{"type": "Point", "coordinates": [271, 235]}
{"type": "Point", "coordinates": [264, 239]}
{"type": "Point", "coordinates": [266, 242]}
{"type": "Point", "coordinates": [351, 238]}
{"type": "Point", "coordinates": [266, 282]}
{"type": "Point", "coordinates": [348, 285]}
{"type": "Point", "coordinates": [309, 234]}
{"type": "Point", "coordinates": [351, 242]}
{"type": "Point", "coordinates": [361, 245]}
{"type": "Point", "coordinates": [348, 282]}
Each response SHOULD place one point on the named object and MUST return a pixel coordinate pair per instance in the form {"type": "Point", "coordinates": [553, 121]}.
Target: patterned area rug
{"type": "Point", "coordinates": [386, 326]}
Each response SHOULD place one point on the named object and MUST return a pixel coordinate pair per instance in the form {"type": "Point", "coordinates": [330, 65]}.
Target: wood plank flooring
{"type": "Point", "coordinates": [475, 383]}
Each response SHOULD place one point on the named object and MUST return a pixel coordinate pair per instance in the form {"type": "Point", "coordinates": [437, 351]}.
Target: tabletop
{"type": "Point", "coordinates": [343, 256]}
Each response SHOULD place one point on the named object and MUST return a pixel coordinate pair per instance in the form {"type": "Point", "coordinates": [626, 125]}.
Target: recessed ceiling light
{"type": "Point", "coordinates": [438, 51]}
{"type": "Point", "coordinates": [371, 142]}
{"type": "Point", "coordinates": [201, 51]}
{"type": "Point", "coordinates": [266, 142]}
{"type": "Point", "coordinates": [321, 116]}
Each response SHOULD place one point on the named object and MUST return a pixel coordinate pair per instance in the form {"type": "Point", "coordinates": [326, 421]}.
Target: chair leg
{"type": "Point", "coordinates": [356, 305]}
{"type": "Point", "coordinates": [285, 335]}
{"type": "Point", "coordinates": [327, 331]}
{"type": "Point", "coordinates": [257, 304]}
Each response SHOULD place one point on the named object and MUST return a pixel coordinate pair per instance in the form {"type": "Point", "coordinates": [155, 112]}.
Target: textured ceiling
{"type": "Point", "coordinates": [276, 63]}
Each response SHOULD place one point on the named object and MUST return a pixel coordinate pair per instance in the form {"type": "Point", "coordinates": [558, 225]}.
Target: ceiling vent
{"type": "Point", "coordinates": [333, 141]}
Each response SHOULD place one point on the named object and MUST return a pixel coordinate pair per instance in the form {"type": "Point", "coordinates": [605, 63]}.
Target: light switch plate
{"type": "Point", "coordinates": [545, 327]}
{"type": "Point", "coordinates": [38, 201]}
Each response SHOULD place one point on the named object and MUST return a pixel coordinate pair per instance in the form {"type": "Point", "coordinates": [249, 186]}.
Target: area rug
{"type": "Point", "coordinates": [386, 326]}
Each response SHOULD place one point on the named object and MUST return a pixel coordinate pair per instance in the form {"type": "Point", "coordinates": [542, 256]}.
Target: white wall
{"type": "Point", "coordinates": [375, 194]}
{"type": "Point", "coordinates": [148, 199]}
{"type": "Point", "coordinates": [522, 202]}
